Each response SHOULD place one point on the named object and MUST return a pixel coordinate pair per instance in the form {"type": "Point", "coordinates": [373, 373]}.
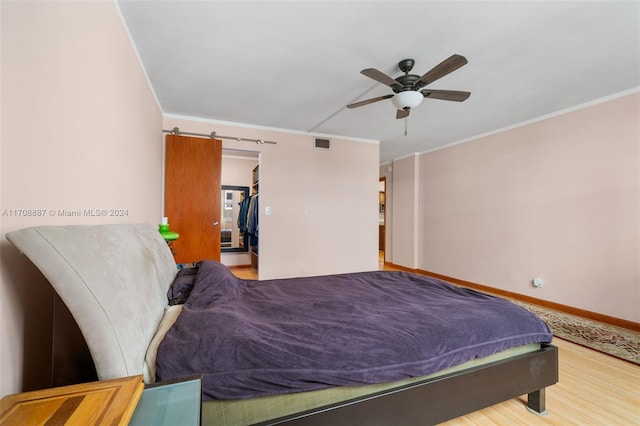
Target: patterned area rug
{"type": "Point", "coordinates": [615, 341]}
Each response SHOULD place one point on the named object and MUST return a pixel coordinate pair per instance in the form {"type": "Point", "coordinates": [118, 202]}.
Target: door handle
{"type": "Point", "coordinates": [215, 223]}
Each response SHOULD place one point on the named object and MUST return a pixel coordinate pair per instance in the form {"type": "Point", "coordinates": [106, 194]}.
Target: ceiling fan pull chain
{"type": "Point", "coordinates": [405, 125]}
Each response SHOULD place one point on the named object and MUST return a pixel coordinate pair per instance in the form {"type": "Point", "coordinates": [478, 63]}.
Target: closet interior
{"type": "Point", "coordinates": [240, 208]}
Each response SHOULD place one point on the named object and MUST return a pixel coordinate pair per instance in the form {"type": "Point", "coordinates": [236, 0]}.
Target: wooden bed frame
{"type": "Point", "coordinates": [88, 265]}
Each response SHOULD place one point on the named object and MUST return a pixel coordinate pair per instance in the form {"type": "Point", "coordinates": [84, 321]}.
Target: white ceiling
{"type": "Point", "coordinates": [295, 65]}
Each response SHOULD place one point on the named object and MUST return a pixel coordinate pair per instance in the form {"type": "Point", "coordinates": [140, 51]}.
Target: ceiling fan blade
{"type": "Point", "coordinates": [443, 68]}
{"type": "Point", "coordinates": [380, 77]}
{"type": "Point", "coordinates": [446, 95]}
{"type": "Point", "coordinates": [369, 101]}
{"type": "Point", "coordinates": [402, 113]}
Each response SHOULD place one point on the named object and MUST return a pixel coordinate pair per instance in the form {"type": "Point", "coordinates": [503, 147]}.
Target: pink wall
{"type": "Point", "coordinates": [324, 204]}
{"type": "Point", "coordinates": [558, 199]}
{"type": "Point", "coordinates": [81, 129]}
{"type": "Point", "coordinates": [404, 212]}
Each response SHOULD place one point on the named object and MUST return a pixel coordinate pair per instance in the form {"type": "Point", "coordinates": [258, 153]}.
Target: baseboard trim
{"type": "Point", "coordinates": [618, 322]}
{"type": "Point", "coordinates": [240, 267]}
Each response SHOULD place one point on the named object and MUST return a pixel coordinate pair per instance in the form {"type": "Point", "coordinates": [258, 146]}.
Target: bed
{"type": "Point", "coordinates": [117, 281]}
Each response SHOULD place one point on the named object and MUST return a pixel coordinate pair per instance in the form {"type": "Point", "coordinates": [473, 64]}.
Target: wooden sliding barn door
{"type": "Point", "coordinates": [192, 196]}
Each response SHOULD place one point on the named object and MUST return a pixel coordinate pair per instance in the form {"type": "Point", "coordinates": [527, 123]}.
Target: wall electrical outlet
{"type": "Point", "coordinates": [537, 282]}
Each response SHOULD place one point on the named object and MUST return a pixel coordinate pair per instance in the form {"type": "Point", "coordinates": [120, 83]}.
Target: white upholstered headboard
{"type": "Point", "coordinates": [114, 280]}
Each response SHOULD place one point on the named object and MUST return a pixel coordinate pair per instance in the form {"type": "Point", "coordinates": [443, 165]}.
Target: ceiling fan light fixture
{"type": "Point", "coordinates": [407, 99]}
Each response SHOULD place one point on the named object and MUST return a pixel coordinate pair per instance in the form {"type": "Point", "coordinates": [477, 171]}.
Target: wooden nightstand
{"type": "Point", "coordinates": [124, 401]}
{"type": "Point", "coordinates": [109, 402]}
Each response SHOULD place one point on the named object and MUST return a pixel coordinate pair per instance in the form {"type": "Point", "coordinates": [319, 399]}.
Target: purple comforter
{"type": "Point", "coordinates": [257, 338]}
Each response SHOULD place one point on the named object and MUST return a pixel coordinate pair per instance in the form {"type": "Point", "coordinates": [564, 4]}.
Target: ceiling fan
{"type": "Point", "coordinates": [406, 88]}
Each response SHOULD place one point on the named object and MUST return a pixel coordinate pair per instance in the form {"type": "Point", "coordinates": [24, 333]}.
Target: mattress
{"type": "Point", "coordinates": [255, 410]}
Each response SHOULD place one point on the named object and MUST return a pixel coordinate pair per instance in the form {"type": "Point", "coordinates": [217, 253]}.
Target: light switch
{"type": "Point", "coordinates": [267, 211]}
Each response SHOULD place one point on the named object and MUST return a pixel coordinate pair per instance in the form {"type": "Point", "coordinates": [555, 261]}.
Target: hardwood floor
{"type": "Point", "coordinates": [594, 389]}
{"type": "Point", "coordinates": [245, 273]}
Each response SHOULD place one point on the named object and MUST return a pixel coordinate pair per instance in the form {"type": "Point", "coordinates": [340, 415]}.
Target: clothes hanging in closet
{"type": "Point", "coordinates": [242, 214]}
{"type": "Point", "coordinates": [252, 220]}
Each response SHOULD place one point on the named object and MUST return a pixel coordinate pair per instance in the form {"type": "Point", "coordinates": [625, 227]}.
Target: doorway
{"type": "Point", "coordinates": [382, 220]}
{"type": "Point", "coordinates": [238, 171]}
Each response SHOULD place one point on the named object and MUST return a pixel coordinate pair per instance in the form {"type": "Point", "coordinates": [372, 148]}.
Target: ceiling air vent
{"type": "Point", "coordinates": [322, 143]}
